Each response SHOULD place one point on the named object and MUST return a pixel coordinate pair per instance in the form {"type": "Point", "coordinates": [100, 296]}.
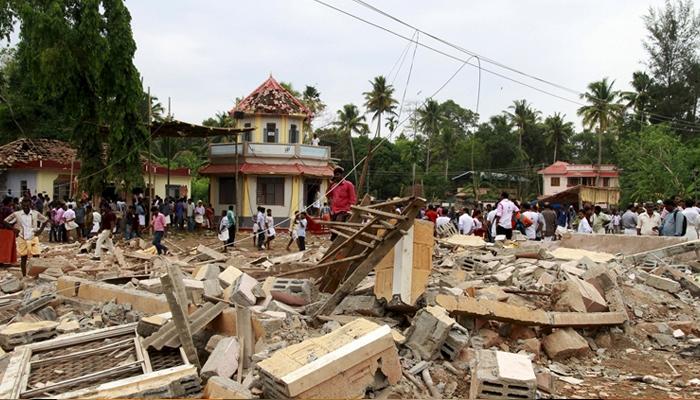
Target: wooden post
{"type": "Point", "coordinates": [246, 338]}
{"type": "Point", "coordinates": [174, 290]}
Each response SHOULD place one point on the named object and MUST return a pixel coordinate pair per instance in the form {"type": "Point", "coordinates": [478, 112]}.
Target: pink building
{"type": "Point", "coordinates": [561, 176]}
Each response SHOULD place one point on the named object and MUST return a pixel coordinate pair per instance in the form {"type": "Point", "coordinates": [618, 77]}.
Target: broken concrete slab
{"type": "Point", "coordinates": [360, 305]}
{"type": "Point", "coordinates": [344, 364]}
{"type": "Point", "coordinates": [565, 343]}
{"type": "Point", "coordinates": [567, 297]}
{"type": "Point", "coordinates": [151, 285]}
{"type": "Point", "coordinates": [661, 283]}
{"type": "Point", "coordinates": [213, 254]}
{"type": "Point", "coordinates": [592, 298]}
{"type": "Point", "coordinates": [206, 271]}
{"type": "Point", "coordinates": [223, 361]}
{"type": "Point", "coordinates": [499, 375]}
{"type": "Point", "coordinates": [429, 330]}
{"type": "Point", "coordinates": [243, 291]}
{"type": "Point", "coordinates": [142, 301]}
{"type": "Point", "coordinates": [11, 285]}
{"type": "Point", "coordinates": [218, 387]}
{"type": "Point", "coordinates": [19, 333]}
{"type": "Point", "coordinates": [212, 288]}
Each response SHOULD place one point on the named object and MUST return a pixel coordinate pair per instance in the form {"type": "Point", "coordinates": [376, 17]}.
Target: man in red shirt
{"type": "Point", "coordinates": [431, 214]}
{"type": "Point", "coordinates": [342, 196]}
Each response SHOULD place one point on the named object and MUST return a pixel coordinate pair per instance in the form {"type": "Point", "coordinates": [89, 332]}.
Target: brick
{"type": "Point", "coordinates": [229, 276]}
{"type": "Point", "coordinates": [360, 305]}
{"type": "Point", "coordinates": [661, 283]}
{"type": "Point", "coordinates": [19, 333]}
{"type": "Point", "coordinates": [223, 388]}
{"type": "Point", "coordinates": [207, 271]}
{"type": "Point", "coordinates": [498, 375]}
{"type": "Point", "coordinates": [429, 330]}
{"type": "Point", "coordinates": [565, 343]}
{"type": "Point", "coordinates": [223, 361]}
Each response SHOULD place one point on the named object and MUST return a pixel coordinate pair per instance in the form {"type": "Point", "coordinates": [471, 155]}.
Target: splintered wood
{"type": "Point", "coordinates": [341, 364]}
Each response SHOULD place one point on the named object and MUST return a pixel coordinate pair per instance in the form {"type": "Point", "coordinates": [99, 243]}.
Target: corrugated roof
{"type": "Point", "coordinates": [272, 98]}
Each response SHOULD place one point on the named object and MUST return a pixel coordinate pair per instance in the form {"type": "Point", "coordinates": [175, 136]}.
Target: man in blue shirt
{"type": "Point", "coordinates": [674, 224]}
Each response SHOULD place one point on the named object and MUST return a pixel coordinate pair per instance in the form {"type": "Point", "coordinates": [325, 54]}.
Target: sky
{"type": "Point", "coordinates": [203, 54]}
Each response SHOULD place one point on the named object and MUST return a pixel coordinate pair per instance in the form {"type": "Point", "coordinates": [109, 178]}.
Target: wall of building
{"type": "Point", "coordinates": [283, 123]}
{"type": "Point", "coordinates": [161, 181]}
{"type": "Point", "coordinates": [14, 181]}
{"type": "Point", "coordinates": [548, 189]}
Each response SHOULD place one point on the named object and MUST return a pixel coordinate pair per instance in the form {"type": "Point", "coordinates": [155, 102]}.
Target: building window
{"type": "Point", "coordinates": [172, 191]}
{"type": "Point", "coordinates": [293, 134]}
{"type": "Point", "coordinates": [606, 182]}
{"type": "Point", "coordinates": [227, 190]}
{"type": "Point", "coordinates": [271, 133]}
{"type": "Point", "coordinates": [554, 181]}
{"type": "Point", "coordinates": [246, 135]}
{"type": "Point", "coordinates": [23, 188]}
{"type": "Point", "coordinates": [270, 191]}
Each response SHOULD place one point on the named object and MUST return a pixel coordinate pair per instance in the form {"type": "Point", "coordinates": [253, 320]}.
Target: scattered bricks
{"type": "Point", "coordinates": [592, 298]}
{"type": "Point", "coordinates": [151, 285]}
{"type": "Point", "coordinates": [223, 361]}
{"type": "Point", "coordinates": [11, 285]}
{"type": "Point", "coordinates": [360, 305]}
{"type": "Point", "coordinates": [565, 343]}
{"type": "Point", "coordinates": [223, 388]}
{"type": "Point", "coordinates": [229, 276]}
{"type": "Point", "coordinates": [302, 288]}
{"type": "Point", "coordinates": [499, 375]}
{"type": "Point", "coordinates": [661, 283]}
{"type": "Point", "coordinates": [207, 271]}
{"type": "Point", "coordinates": [429, 329]}
{"type": "Point", "coordinates": [455, 342]}
{"type": "Point", "coordinates": [242, 291]}
{"type": "Point", "coordinates": [20, 333]}
{"type": "Point", "coordinates": [567, 297]}
{"type": "Point", "coordinates": [212, 288]}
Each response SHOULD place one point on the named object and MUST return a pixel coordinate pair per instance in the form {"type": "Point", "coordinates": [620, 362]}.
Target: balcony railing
{"type": "Point", "coordinates": [279, 150]}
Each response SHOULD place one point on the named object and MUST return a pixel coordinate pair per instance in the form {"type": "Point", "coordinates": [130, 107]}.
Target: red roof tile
{"type": "Point", "coordinates": [580, 170]}
{"type": "Point", "coordinates": [272, 98]}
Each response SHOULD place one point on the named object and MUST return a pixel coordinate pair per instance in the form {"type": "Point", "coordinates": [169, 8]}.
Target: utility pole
{"type": "Point", "coordinates": [169, 155]}
{"type": "Point", "coordinates": [413, 187]}
{"type": "Point", "coordinates": [150, 140]}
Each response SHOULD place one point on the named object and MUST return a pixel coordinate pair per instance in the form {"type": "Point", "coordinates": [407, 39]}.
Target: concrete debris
{"type": "Point", "coordinates": [19, 333]}
{"type": "Point", "coordinates": [218, 387]}
{"type": "Point", "coordinates": [429, 330]}
{"type": "Point", "coordinates": [223, 360]}
{"type": "Point", "coordinates": [360, 305]}
{"type": "Point", "coordinates": [565, 343]}
{"type": "Point", "coordinates": [499, 375]}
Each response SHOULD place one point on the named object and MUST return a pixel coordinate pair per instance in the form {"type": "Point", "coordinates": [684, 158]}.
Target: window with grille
{"type": "Point", "coordinates": [293, 134]}
{"type": "Point", "coordinates": [271, 133]}
{"type": "Point", "coordinates": [246, 135]}
{"type": "Point", "coordinates": [227, 190]}
{"type": "Point", "coordinates": [555, 181]}
{"type": "Point", "coordinates": [270, 191]}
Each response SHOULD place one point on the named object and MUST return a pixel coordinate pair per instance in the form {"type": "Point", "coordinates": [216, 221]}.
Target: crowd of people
{"type": "Point", "coordinates": [539, 221]}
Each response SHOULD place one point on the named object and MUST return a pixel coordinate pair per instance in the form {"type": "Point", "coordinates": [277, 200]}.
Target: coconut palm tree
{"type": "Point", "coordinates": [557, 132]}
{"type": "Point", "coordinates": [430, 120]}
{"type": "Point", "coordinates": [351, 121]}
{"type": "Point", "coordinates": [603, 107]}
{"type": "Point", "coordinates": [522, 117]}
{"type": "Point", "coordinates": [639, 99]}
{"type": "Point", "coordinates": [378, 101]}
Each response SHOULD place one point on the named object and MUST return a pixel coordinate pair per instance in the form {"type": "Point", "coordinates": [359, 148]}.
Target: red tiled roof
{"type": "Point", "coordinates": [267, 169]}
{"type": "Point", "coordinates": [272, 98]}
{"type": "Point", "coordinates": [580, 170]}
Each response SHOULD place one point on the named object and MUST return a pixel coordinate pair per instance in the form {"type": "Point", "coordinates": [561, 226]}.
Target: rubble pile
{"type": "Point", "coordinates": [386, 311]}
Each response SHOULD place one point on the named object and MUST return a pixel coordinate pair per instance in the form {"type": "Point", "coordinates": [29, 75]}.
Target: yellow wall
{"type": "Point", "coordinates": [283, 123]}
{"type": "Point", "coordinates": [44, 181]}
{"type": "Point", "coordinates": [161, 180]}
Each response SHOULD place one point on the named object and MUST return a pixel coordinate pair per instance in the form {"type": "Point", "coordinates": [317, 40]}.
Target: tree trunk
{"type": "Point", "coordinates": [600, 156]}
{"type": "Point", "coordinates": [556, 142]}
{"type": "Point", "coordinates": [427, 161]}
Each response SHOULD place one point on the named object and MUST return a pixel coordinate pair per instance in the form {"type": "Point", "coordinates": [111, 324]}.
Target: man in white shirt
{"type": "Point", "coordinates": [531, 231]}
{"type": "Point", "coordinates": [465, 223]}
{"type": "Point", "coordinates": [504, 216]}
{"type": "Point", "coordinates": [490, 219]}
{"type": "Point", "coordinates": [260, 220]}
{"type": "Point", "coordinates": [25, 223]}
{"type": "Point", "coordinates": [583, 225]}
{"type": "Point", "coordinates": [70, 225]}
{"type": "Point", "coordinates": [315, 141]}
{"type": "Point", "coordinates": [693, 219]}
{"type": "Point", "coordinates": [648, 222]}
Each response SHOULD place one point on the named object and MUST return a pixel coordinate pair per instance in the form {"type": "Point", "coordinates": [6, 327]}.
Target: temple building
{"type": "Point", "coordinates": [268, 166]}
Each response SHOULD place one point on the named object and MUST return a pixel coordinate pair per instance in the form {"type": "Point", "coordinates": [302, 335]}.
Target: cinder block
{"type": "Point", "coordinates": [501, 375]}
{"type": "Point", "coordinates": [303, 288]}
{"type": "Point", "coordinates": [455, 342]}
{"type": "Point", "coordinates": [565, 343]}
{"type": "Point", "coordinates": [360, 305]}
{"type": "Point", "coordinates": [429, 330]}
{"type": "Point", "coordinates": [243, 292]}
{"type": "Point", "coordinates": [229, 276]}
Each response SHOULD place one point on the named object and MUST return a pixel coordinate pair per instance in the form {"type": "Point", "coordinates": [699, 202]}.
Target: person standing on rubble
{"type": "Point", "coordinates": [534, 217]}
{"type": "Point", "coordinates": [104, 236]}
{"type": "Point", "coordinates": [260, 221]}
{"type": "Point", "coordinates": [648, 222]}
{"type": "Point", "coordinates": [231, 216]}
{"type": "Point", "coordinates": [24, 223]}
{"type": "Point", "coordinates": [341, 196]}
{"type": "Point", "coordinates": [629, 221]}
{"type": "Point", "coordinates": [550, 222]}
{"type": "Point", "coordinates": [158, 225]}
{"type": "Point", "coordinates": [491, 222]}
{"type": "Point", "coordinates": [301, 231]}
{"type": "Point", "coordinates": [505, 211]}
{"type": "Point", "coordinates": [584, 224]}
{"type": "Point", "coordinates": [675, 223]}
{"type": "Point", "coordinates": [70, 225]}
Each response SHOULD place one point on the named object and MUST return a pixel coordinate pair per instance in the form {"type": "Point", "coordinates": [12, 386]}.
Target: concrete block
{"type": "Point", "coordinates": [223, 361]}
{"type": "Point", "coordinates": [11, 285]}
{"type": "Point", "coordinates": [207, 271]}
{"type": "Point", "coordinates": [68, 326]}
{"type": "Point", "coordinates": [141, 301]}
{"type": "Point", "coordinates": [602, 277]}
{"type": "Point", "coordinates": [212, 288]}
{"type": "Point", "coordinates": [565, 343]}
{"type": "Point", "coordinates": [592, 298]}
{"type": "Point", "coordinates": [20, 333]}
{"type": "Point", "coordinates": [532, 345]}
{"type": "Point", "coordinates": [281, 307]}
{"type": "Point", "coordinates": [242, 292]}
{"type": "Point", "coordinates": [212, 342]}
{"type": "Point", "coordinates": [429, 330]}
{"type": "Point", "coordinates": [360, 305]}
{"type": "Point", "coordinates": [567, 297]}
{"type": "Point", "coordinates": [661, 283]}
{"type": "Point", "coordinates": [302, 288]}
{"type": "Point", "coordinates": [454, 343]}
{"type": "Point", "coordinates": [224, 388]}
{"type": "Point", "coordinates": [229, 276]}
{"type": "Point", "coordinates": [499, 375]}
{"type": "Point", "coordinates": [151, 285]}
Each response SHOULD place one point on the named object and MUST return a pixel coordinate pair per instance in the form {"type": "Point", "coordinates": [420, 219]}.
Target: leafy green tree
{"type": "Point", "coordinates": [351, 121]}
{"type": "Point", "coordinates": [557, 132]}
{"type": "Point", "coordinates": [430, 120]}
{"type": "Point", "coordinates": [522, 117]}
{"type": "Point", "coordinates": [639, 99]}
{"type": "Point", "coordinates": [603, 107]}
{"type": "Point", "coordinates": [378, 101]}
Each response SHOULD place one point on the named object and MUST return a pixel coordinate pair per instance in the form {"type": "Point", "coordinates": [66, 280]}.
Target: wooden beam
{"type": "Point", "coordinates": [174, 291]}
{"type": "Point", "coordinates": [380, 213]}
{"type": "Point", "coordinates": [351, 239]}
{"type": "Point", "coordinates": [348, 225]}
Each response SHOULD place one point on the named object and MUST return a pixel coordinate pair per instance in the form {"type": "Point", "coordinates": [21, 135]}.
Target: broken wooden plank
{"type": "Point", "coordinates": [375, 212]}
{"type": "Point", "coordinates": [174, 290]}
{"type": "Point", "coordinates": [319, 266]}
{"type": "Point", "coordinates": [504, 312]}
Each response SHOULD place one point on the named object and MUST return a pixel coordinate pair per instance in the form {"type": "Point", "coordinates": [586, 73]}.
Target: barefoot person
{"type": "Point", "coordinates": [25, 223]}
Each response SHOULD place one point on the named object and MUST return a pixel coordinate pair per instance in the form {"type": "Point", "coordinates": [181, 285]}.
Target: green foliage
{"type": "Point", "coordinates": [657, 165]}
